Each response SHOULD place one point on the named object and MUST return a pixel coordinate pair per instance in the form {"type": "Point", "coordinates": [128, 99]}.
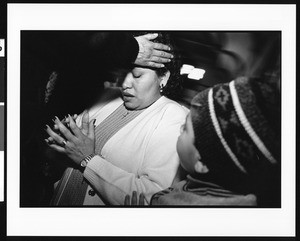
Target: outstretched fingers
{"type": "Point", "coordinates": [141, 199]}
{"type": "Point", "coordinates": [57, 147]}
{"type": "Point", "coordinates": [74, 128]}
{"type": "Point", "coordinates": [127, 200]}
{"type": "Point", "coordinates": [54, 140]}
{"type": "Point", "coordinates": [85, 123]}
{"type": "Point", "coordinates": [91, 132]}
{"type": "Point", "coordinates": [160, 46]}
{"type": "Point", "coordinates": [164, 56]}
{"type": "Point", "coordinates": [134, 198]}
{"type": "Point", "coordinates": [150, 36]}
{"type": "Point", "coordinates": [154, 65]}
{"type": "Point", "coordinates": [64, 130]}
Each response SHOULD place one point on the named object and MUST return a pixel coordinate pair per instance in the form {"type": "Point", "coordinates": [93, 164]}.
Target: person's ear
{"type": "Point", "coordinates": [199, 166]}
{"type": "Point", "coordinates": [164, 79]}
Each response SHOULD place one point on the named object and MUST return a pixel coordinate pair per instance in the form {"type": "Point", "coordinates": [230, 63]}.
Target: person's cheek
{"type": "Point", "coordinates": [178, 145]}
{"type": "Point", "coordinates": [181, 151]}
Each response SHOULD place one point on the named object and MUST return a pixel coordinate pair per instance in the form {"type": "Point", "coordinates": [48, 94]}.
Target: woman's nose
{"type": "Point", "coordinates": [127, 83]}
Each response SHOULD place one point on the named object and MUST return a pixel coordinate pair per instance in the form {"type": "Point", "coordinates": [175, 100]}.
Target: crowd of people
{"type": "Point", "coordinates": [136, 145]}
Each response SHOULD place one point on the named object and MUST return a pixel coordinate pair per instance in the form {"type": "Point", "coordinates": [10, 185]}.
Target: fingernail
{"type": "Point", "coordinates": [46, 140]}
{"type": "Point", "coordinates": [162, 65]}
{"type": "Point", "coordinates": [172, 56]}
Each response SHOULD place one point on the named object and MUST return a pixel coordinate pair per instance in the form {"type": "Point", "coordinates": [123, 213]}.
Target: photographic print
{"type": "Point", "coordinates": [121, 118]}
{"type": "Point", "coordinates": [66, 72]}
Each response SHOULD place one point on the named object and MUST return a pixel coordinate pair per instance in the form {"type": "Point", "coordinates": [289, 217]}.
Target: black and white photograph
{"type": "Point", "coordinates": [150, 118]}
{"type": "Point", "coordinates": [117, 118]}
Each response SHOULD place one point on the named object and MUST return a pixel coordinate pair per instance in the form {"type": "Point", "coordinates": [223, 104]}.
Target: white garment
{"type": "Point", "coordinates": [140, 157]}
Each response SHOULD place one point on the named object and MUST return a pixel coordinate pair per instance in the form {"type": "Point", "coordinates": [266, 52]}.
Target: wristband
{"type": "Point", "coordinates": [86, 160]}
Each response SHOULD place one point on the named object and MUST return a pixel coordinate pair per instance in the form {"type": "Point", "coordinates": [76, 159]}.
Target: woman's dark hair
{"type": "Point", "coordinates": [173, 88]}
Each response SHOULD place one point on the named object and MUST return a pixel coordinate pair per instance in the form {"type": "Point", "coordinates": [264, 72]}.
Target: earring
{"type": "Point", "coordinates": [161, 88]}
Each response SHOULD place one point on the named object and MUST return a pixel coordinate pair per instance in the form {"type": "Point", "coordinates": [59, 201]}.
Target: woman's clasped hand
{"type": "Point", "coordinates": [75, 142]}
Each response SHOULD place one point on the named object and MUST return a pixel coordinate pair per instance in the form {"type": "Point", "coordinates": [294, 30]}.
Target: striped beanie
{"type": "Point", "coordinates": [237, 132]}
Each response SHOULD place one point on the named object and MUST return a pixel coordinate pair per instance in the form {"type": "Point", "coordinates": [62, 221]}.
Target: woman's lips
{"type": "Point", "coordinates": [127, 95]}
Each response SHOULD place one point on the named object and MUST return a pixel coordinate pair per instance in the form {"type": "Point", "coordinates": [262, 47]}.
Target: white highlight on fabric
{"type": "Point", "coordinates": [243, 119]}
{"type": "Point", "coordinates": [65, 184]}
{"type": "Point", "coordinates": [219, 132]}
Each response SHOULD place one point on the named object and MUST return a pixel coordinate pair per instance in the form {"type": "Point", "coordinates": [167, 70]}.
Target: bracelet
{"type": "Point", "coordinates": [86, 160]}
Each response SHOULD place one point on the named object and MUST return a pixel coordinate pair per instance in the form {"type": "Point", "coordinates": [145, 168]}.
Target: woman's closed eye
{"type": "Point", "coordinates": [136, 74]}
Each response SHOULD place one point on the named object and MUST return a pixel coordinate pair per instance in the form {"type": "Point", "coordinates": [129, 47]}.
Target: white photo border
{"type": "Point", "coordinates": [151, 221]}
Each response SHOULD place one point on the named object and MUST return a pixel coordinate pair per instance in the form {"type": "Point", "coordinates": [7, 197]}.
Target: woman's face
{"type": "Point", "coordinates": [188, 154]}
{"type": "Point", "coordinates": [140, 88]}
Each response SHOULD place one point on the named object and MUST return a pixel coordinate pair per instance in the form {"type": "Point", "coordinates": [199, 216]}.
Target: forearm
{"type": "Point", "coordinates": [116, 49]}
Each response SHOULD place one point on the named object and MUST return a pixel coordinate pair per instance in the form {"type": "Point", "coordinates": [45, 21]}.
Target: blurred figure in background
{"type": "Point", "coordinates": [251, 54]}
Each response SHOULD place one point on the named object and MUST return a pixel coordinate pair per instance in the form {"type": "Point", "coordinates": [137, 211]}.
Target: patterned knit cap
{"type": "Point", "coordinates": [237, 132]}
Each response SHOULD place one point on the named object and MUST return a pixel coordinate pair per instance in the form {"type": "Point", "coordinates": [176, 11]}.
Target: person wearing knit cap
{"type": "Point", "coordinates": [230, 147]}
